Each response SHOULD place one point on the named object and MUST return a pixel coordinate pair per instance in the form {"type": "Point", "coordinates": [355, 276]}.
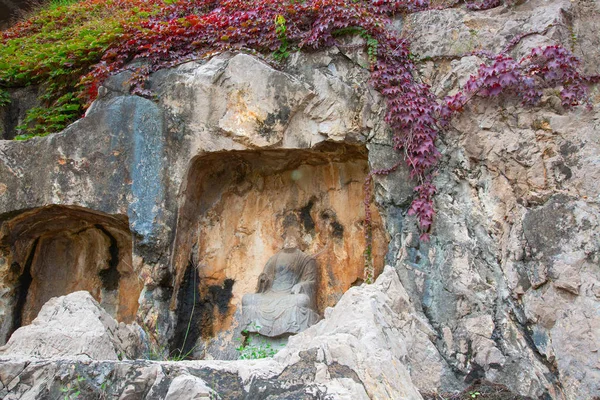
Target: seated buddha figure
{"type": "Point", "coordinates": [284, 302]}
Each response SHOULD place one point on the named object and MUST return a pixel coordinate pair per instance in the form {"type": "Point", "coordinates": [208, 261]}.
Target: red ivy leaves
{"type": "Point", "coordinates": [422, 207]}
{"type": "Point", "coordinates": [549, 67]}
{"type": "Point", "coordinates": [391, 7]}
{"type": "Point", "coordinates": [188, 29]}
{"type": "Point", "coordinates": [482, 5]}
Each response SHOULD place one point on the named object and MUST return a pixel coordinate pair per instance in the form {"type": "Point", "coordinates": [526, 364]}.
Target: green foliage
{"type": "Point", "coordinates": [54, 49]}
{"type": "Point", "coordinates": [280, 29]}
{"type": "Point", "coordinates": [73, 389]}
{"type": "Point", "coordinates": [4, 97]}
{"type": "Point", "coordinates": [251, 350]}
{"type": "Point", "coordinates": [372, 44]}
{"type": "Point", "coordinates": [254, 351]}
{"type": "Point", "coordinates": [58, 3]}
{"type": "Point", "coordinates": [42, 120]}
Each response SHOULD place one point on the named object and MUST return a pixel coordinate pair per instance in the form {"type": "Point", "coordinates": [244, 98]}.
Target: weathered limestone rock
{"type": "Point", "coordinates": [456, 32]}
{"type": "Point", "coordinates": [56, 250]}
{"type": "Point", "coordinates": [374, 331]}
{"type": "Point", "coordinates": [359, 351]}
{"type": "Point", "coordinates": [74, 326]}
{"type": "Point", "coordinates": [508, 280]}
{"type": "Point", "coordinates": [166, 168]}
{"type": "Point", "coordinates": [188, 387]}
{"type": "Point", "coordinates": [507, 290]}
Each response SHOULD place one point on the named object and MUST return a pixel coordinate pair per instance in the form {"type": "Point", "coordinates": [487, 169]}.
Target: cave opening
{"type": "Point", "coordinates": [233, 209]}
{"type": "Point", "coordinates": [56, 250]}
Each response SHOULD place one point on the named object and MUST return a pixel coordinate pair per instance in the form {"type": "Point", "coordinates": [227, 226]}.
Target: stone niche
{"type": "Point", "coordinates": [56, 250]}
{"type": "Point", "coordinates": [232, 210]}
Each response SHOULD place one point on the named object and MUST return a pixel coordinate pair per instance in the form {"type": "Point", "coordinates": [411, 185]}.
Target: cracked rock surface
{"type": "Point", "coordinates": [506, 291]}
{"type": "Point", "coordinates": [345, 356]}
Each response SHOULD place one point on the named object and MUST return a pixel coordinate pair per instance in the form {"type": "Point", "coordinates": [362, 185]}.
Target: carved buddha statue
{"type": "Point", "coordinates": [284, 302]}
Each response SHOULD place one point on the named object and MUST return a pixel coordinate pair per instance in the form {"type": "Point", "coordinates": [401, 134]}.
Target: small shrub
{"type": "Point", "coordinates": [72, 390]}
{"type": "Point", "coordinates": [251, 350]}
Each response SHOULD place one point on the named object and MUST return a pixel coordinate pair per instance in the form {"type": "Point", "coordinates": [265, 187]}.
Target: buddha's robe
{"type": "Point", "coordinates": [285, 298]}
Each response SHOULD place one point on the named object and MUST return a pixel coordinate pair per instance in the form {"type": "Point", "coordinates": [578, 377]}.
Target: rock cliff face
{"type": "Point", "coordinates": [346, 356]}
{"type": "Point", "coordinates": [510, 282]}
{"type": "Point", "coordinates": [203, 179]}
{"type": "Point", "coordinates": [188, 193]}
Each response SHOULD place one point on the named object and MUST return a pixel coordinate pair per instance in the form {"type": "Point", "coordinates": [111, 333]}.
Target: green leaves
{"type": "Point", "coordinates": [254, 351]}
{"type": "Point", "coordinates": [280, 29]}
{"type": "Point", "coordinates": [55, 48]}
{"type": "Point", "coordinates": [4, 98]}
{"type": "Point", "coordinates": [40, 121]}
{"type": "Point", "coordinates": [251, 350]}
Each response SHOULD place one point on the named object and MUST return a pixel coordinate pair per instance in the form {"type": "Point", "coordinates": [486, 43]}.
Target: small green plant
{"type": "Point", "coordinates": [157, 352]}
{"type": "Point", "coordinates": [4, 98]}
{"type": "Point", "coordinates": [72, 390]}
{"type": "Point", "coordinates": [474, 395]}
{"type": "Point", "coordinates": [179, 355]}
{"type": "Point", "coordinates": [59, 3]}
{"type": "Point", "coordinates": [283, 51]}
{"type": "Point", "coordinates": [250, 350]}
{"type": "Point", "coordinates": [372, 45]}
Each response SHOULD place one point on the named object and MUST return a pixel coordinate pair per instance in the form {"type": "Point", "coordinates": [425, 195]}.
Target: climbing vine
{"type": "Point", "coordinates": [55, 47]}
{"type": "Point", "coordinates": [164, 33]}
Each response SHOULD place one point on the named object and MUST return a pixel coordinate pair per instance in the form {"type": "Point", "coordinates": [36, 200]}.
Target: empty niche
{"type": "Point", "coordinates": [56, 250]}
{"type": "Point", "coordinates": [232, 212]}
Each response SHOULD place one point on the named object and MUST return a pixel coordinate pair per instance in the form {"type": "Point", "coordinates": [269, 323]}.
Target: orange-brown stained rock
{"type": "Point", "coordinates": [68, 249]}
{"type": "Point", "coordinates": [236, 204]}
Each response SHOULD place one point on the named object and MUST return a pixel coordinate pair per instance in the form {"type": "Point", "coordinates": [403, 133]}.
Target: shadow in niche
{"type": "Point", "coordinates": [56, 250]}
{"type": "Point", "coordinates": [196, 307]}
{"type": "Point", "coordinates": [110, 277]}
{"type": "Point", "coordinates": [22, 289]}
{"type": "Point", "coordinates": [230, 222]}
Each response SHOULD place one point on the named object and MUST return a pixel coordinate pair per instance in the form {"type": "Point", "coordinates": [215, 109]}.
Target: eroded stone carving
{"type": "Point", "coordinates": [284, 302]}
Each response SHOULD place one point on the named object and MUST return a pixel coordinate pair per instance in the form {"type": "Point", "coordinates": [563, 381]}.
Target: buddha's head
{"type": "Point", "coordinates": [290, 242]}
{"type": "Point", "coordinates": [291, 237]}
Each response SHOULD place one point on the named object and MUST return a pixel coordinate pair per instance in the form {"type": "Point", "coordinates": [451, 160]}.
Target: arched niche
{"type": "Point", "coordinates": [56, 250]}
{"type": "Point", "coordinates": [232, 209]}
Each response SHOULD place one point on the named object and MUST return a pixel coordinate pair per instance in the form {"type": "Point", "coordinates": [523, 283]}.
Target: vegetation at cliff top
{"type": "Point", "coordinates": [70, 49]}
{"type": "Point", "coordinates": [55, 47]}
